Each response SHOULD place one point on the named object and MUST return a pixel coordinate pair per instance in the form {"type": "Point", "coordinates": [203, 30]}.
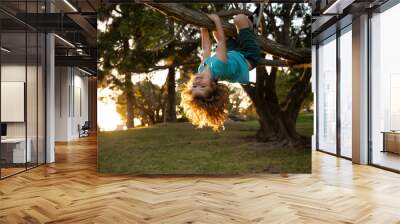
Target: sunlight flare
{"type": "Point", "coordinates": [108, 117]}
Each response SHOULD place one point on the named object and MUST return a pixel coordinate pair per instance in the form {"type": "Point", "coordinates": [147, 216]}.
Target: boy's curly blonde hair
{"type": "Point", "coordinates": [209, 111]}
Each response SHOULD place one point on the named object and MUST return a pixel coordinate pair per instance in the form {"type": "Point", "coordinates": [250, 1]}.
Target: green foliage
{"type": "Point", "coordinates": [148, 104]}
{"type": "Point", "coordinates": [290, 24]}
{"type": "Point", "coordinates": [285, 80]}
{"type": "Point", "coordinates": [132, 30]}
{"type": "Point", "coordinates": [136, 38]}
{"type": "Point", "coordinates": [236, 97]}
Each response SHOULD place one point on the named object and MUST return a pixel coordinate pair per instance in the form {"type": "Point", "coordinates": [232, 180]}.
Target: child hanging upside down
{"type": "Point", "coordinates": [204, 99]}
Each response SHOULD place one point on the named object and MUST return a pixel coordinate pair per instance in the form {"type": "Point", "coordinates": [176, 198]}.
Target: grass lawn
{"type": "Point", "coordinates": [182, 149]}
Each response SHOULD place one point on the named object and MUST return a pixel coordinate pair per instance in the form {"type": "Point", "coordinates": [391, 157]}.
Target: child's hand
{"type": "Point", "coordinates": [213, 17]}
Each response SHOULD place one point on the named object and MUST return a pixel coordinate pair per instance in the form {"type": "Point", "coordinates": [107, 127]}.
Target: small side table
{"type": "Point", "coordinates": [391, 141]}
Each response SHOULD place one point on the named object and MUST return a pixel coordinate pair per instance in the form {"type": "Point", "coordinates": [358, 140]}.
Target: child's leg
{"type": "Point", "coordinates": [247, 39]}
{"type": "Point", "coordinates": [241, 21]}
{"type": "Point", "coordinates": [232, 45]}
{"type": "Point", "coordinates": [250, 24]}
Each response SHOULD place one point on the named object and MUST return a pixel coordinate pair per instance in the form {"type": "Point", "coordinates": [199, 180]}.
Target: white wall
{"type": "Point", "coordinates": [13, 73]}
{"type": "Point", "coordinates": [61, 103]}
{"type": "Point", "coordinates": [71, 102]}
{"type": "Point", "coordinates": [80, 109]}
{"type": "Point", "coordinates": [33, 127]}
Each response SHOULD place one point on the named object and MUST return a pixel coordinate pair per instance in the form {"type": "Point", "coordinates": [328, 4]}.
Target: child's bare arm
{"type": "Point", "coordinates": [205, 43]}
{"type": "Point", "coordinates": [219, 35]}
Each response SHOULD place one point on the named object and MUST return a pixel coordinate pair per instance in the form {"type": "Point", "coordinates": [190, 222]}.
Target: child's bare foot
{"type": "Point", "coordinates": [242, 21]}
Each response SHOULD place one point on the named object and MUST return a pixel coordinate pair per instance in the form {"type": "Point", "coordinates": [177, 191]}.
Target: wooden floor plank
{"type": "Point", "coordinates": [70, 191]}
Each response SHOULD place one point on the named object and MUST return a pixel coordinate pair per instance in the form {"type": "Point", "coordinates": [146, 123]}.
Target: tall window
{"type": "Point", "coordinates": [346, 92]}
{"type": "Point", "coordinates": [327, 95]}
{"type": "Point", "coordinates": [385, 88]}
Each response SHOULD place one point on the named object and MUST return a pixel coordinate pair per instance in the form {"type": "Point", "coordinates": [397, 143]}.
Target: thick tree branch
{"type": "Point", "coordinates": [197, 18]}
{"type": "Point", "coordinates": [274, 63]}
{"type": "Point", "coordinates": [161, 67]}
{"type": "Point", "coordinates": [232, 12]}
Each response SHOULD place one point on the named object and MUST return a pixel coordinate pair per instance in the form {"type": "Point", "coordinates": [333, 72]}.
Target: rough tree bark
{"type": "Point", "coordinates": [130, 95]}
{"type": "Point", "coordinates": [170, 110]}
{"type": "Point", "coordinates": [130, 102]}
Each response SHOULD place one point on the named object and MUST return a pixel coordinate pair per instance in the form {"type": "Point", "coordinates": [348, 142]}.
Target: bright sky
{"type": "Point", "coordinates": [108, 117]}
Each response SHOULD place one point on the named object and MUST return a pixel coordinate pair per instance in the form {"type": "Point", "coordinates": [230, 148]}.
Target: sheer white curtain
{"type": "Point", "coordinates": [346, 94]}
{"type": "Point", "coordinates": [327, 96]}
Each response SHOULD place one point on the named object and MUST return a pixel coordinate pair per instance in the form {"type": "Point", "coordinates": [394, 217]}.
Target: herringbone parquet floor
{"type": "Point", "coordinates": [70, 191]}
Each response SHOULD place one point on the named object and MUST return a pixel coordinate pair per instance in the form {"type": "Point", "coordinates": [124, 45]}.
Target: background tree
{"type": "Point", "coordinates": [123, 49]}
{"type": "Point", "coordinates": [236, 97]}
{"type": "Point", "coordinates": [149, 103]}
{"type": "Point", "coordinates": [278, 115]}
{"type": "Point", "coordinates": [136, 40]}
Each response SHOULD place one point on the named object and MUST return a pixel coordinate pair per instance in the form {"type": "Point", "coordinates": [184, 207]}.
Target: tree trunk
{"type": "Point", "coordinates": [170, 111]}
{"type": "Point", "coordinates": [277, 128]}
{"type": "Point", "coordinates": [277, 124]}
{"type": "Point", "coordinates": [130, 101]}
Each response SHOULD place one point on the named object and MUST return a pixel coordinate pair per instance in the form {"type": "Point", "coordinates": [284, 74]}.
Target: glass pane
{"type": "Point", "coordinates": [41, 98]}
{"type": "Point", "coordinates": [385, 114]}
{"type": "Point", "coordinates": [15, 8]}
{"type": "Point", "coordinates": [346, 94]}
{"type": "Point", "coordinates": [32, 97]}
{"type": "Point", "coordinates": [14, 151]}
{"type": "Point", "coordinates": [23, 87]}
{"type": "Point", "coordinates": [327, 96]}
